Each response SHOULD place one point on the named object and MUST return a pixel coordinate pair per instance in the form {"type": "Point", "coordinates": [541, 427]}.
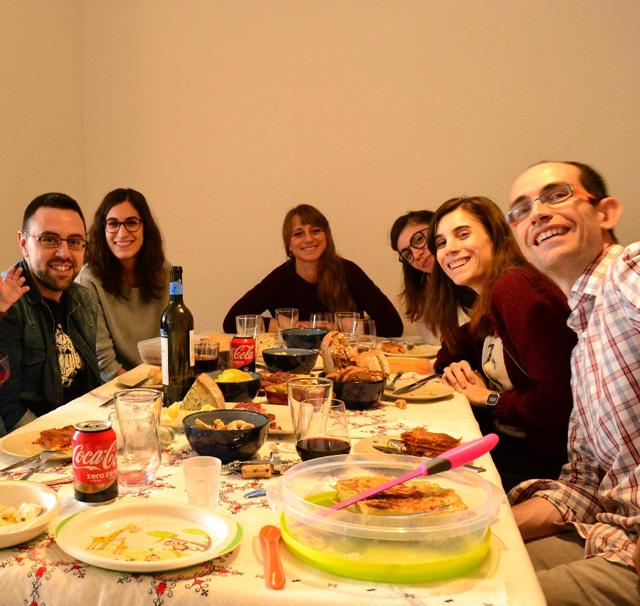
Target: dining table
{"type": "Point", "coordinates": [40, 572]}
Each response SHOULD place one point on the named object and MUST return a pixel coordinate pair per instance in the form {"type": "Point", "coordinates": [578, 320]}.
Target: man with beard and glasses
{"type": "Point", "coordinates": [582, 529]}
{"type": "Point", "coordinates": [50, 332]}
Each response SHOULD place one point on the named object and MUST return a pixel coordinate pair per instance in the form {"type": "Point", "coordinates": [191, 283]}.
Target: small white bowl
{"type": "Point", "coordinates": [15, 492]}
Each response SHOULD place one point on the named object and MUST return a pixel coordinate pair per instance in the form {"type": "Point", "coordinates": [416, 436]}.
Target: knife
{"type": "Point", "coordinates": [391, 450]}
{"type": "Point", "coordinates": [413, 386]}
{"type": "Point", "coordinates": [20, 463]}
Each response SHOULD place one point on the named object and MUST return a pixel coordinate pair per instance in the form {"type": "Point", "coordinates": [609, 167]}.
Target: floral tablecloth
{"type": "Point", "coordinates": [41, 573]}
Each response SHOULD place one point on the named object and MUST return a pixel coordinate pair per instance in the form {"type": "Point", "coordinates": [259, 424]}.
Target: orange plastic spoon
{"type": "Point", "coordinates": [273, 571]}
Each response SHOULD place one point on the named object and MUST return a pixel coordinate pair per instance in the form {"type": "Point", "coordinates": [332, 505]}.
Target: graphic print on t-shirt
{"type": "Point", "coordinates": [68, 358]}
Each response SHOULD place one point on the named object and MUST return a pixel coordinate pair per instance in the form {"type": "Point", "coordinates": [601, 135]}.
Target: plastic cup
{"type": "Point", "coordinates": [202, 481]}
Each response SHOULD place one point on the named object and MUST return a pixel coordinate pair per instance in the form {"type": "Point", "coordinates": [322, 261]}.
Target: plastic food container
{"type": "Point", "coordinates": [396, 549]}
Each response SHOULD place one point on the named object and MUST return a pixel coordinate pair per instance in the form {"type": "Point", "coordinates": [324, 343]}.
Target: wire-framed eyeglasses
{"type": "Point", "coordinates": [418, 241]}
{"type": "Point", "coordinates": [48, 241]}
{"type": "Point", "coordinates": [554, 195]}
{"type": "Point", "coordinates": [131, 224]}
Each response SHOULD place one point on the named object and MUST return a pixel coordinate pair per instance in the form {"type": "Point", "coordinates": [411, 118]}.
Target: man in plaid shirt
{"type": "Point", "coordinates": [583, 528]}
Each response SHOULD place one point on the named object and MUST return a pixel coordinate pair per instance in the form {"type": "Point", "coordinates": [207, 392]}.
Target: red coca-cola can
{"type": "Point", "coordinates": [242, 353]}
{"type": "Point", "coordinates": [95, 462]}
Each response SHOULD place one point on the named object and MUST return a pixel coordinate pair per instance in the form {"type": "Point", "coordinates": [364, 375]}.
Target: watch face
{"type": "Point", "coordinates": [492, 399]}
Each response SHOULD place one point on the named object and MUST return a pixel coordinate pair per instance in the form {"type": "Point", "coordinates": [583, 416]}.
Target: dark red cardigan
{"type": "Point", "coordinates": [529, 313]}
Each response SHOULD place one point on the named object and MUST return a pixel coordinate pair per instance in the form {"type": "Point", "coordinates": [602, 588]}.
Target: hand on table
{"type": "Point", "coordinates": [466, 381]}
{"type": "Point", "coordinates": [11, 288]}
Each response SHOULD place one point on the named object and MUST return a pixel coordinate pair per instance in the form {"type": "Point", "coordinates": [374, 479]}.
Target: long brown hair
{"type": "Point", "coordinates": [332, 285]}
{"type": "Point", "coordinates": [150, 274]}
{"type": "Point", "coordinates": [414, 281]}
{"type": "Point", "coordinates": [445, 297]}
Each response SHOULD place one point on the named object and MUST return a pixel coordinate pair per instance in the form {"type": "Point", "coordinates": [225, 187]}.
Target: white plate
{"type": "Point", "coordinates": [433, 390]}
{"type": "Point", "coordinates": [138, 377]}
{"type": "Point", "coordinates": [283, 419]}
{"type": "Point", "coordinates": [147, 537]}
{"type": "Point", "coordinates": [365, 445]}
{"type": "Point", "coordinates": [416, 351]}
{"type": "Point", "coordinates": [15, 492]}
{"type": "Point", "coordinates": [21, 445]}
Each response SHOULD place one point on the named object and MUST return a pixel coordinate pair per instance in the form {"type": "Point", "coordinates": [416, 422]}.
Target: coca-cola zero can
{"type": "Point", "coordinates": [242, 353]}
{"type": "Point", "coordinates": [95, 462]}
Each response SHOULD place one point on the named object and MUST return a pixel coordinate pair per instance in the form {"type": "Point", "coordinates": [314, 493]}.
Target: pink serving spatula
{"type": "Point", "coordinates": [460, 455]}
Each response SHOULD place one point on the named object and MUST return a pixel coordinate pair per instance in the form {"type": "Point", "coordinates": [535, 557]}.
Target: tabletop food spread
{"type": "Point", "coordinates": [151, 547]}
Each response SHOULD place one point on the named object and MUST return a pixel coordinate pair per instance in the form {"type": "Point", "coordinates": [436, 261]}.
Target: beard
{"type": "Point", "coordinates": [52, 282]}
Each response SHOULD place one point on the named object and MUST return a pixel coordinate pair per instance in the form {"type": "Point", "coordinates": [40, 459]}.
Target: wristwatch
{"type": "Point", "coordinates": [492, 399]}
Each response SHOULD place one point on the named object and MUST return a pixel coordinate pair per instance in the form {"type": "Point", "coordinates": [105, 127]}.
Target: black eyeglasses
{"type": "Point", "coordinates": [418, 241]}
{"type": "Point", "coordinates": [131, 224]}
{"type": "Point", "coordinates": [55, 241]}
{"type": "Point", "coordinates": [554, 195]}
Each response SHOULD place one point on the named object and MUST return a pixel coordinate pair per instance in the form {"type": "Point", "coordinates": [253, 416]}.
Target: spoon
{"type": "Point", "coordinates": [393, 383]}
{"type": "Point", "coordinates": [447, 460]}
{"type": "Point", "coordinates": [273, 571]}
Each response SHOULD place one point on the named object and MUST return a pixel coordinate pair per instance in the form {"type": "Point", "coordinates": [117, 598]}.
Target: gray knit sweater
{"type": "Point", "coordinates": [122, 324]}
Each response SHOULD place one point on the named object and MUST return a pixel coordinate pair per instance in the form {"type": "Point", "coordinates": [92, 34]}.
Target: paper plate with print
{"type": "Point", "coordinates": [23, 445]}
{"type": "Point", "coordinates": [147, 537]}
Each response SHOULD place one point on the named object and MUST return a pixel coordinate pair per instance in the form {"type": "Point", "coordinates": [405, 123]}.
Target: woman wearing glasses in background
{"type": "Point", "coordinates": [127, 269]}
{"type": "Point", "coordinates": [512, 360]}
{"type": "Point", "coordinates": [409, 240]}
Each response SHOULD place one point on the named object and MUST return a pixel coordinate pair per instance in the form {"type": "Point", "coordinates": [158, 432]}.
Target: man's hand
{"type": "Point", "coordinates": [11, 288]}
{"type": "Point", "coordinates": [537, 517]}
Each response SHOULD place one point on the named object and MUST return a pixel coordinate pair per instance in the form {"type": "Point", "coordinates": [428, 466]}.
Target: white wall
{"type": "Point", "coordinates": [226, 114]}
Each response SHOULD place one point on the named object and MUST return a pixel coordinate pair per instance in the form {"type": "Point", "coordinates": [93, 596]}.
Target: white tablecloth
{"type": "Point", "coordinates": [39, 572]}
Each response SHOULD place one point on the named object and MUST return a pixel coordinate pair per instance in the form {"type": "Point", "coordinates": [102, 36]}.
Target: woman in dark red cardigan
{"type": "Point", "coordinates": [512, 360]}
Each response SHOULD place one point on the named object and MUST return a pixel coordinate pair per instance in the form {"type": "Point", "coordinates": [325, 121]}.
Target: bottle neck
{"type": "Point", "coordinates": [175, 290]}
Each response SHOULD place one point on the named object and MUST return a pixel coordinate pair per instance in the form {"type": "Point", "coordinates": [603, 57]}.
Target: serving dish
{"type": "Point", "coordinates": [296, 360]}
{"type": "Point", "coordinates": [238, 391]}
{"type": "Point", "coordinates": [392, 549]}
{"type": "Point", "coordinates": [359, 395]}
{"type": "Point", "coordinates": [147, 537]}
{"type": "Point", "coordinates": [304, 338]}
{"type": "Point", "coordinates": [15, 492]}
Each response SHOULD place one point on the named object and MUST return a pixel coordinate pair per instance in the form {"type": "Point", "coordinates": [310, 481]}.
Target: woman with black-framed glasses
{"type": "Point", "coordinates": [127, 270]}
{"type": "Point", "coordinates": [409, 240]}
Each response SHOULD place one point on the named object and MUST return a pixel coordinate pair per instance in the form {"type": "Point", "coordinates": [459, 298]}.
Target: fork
{"type": "Point", "coordinates": [45, 455]}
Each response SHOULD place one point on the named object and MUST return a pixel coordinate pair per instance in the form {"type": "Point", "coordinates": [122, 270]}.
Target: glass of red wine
{"type": "Point", "coordinates": [322, 429]}
{"type": "Point", "coordinates": [206, 354]}
{"type": "Point", "coordinates": [4, 367]}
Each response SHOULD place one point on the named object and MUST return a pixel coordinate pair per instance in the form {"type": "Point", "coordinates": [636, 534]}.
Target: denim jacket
{"type": "Point", "coordinates": [27, 335]}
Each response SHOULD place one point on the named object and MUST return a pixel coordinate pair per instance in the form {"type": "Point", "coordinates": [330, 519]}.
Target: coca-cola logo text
{"type": "Point", "coordinates": [243, 354]}
{"type": "Point", "coordinates": [95, 459]}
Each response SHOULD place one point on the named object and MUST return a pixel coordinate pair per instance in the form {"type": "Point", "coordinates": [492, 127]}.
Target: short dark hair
{"type": "Point", "coordinates": [51, 200]}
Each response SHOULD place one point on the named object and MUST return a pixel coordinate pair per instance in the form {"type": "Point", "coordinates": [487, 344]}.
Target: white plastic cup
{"type": "Point", "coordinates": [202, 481]}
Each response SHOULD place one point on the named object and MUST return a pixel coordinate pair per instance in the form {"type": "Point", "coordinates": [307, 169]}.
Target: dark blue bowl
{"type": "Point", "coordinates": [242, 391]}
{"type": "Point", "coordinates": [304, 338]}
{"type": "Point", "coordinates": [359, 395]}
{"type": "Point", "coordinates": [226, 444]}
{"type": "Point", "coordinates": [299, 361]}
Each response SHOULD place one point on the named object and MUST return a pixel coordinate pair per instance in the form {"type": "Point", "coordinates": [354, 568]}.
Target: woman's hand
{"type": "Point", "coordinates": [467, 382]}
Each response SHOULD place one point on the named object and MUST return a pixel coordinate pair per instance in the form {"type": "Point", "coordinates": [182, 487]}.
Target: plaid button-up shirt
{"type": "Point", "coordinates": [599, 488]}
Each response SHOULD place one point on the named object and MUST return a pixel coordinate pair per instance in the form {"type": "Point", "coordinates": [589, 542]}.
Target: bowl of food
{"type": "Point", "coordinates": [277, 393]}
{"type": "Point", "coordinates": [436, 530]}
{"type": "Point", "coordinates": [229, 435]}
{"type": "Point", "coordinates": [304, 338]}
{"type": "Point", "coordinates": [236, 385]}
{"type": "Point", "coordinates": [293, 359]}
{"type": "Point", "coordinates": [360, 394]}
{"type": "Point", "coordinates": [26, 508]}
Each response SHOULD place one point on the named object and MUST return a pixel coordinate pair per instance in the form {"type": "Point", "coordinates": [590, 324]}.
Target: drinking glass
{"type": "Point", "coordinates": [286, 317]}
{"type": "Point", "coordinates": [138, 448]}
{"type": "Point", "coordinates": [322, 429]}
{"type": "Point", "coordinates": [202, 480]}
{"type": "Point", "coordinates": [344, 320]}
{"type": "Point", "coordinates": [307, 388]}
{"type": "Point", "coordinates": [365, 330]}
{"type": "Point", "coordinates": [140, 398]}
{"type": "Point", "coordinates": [249, 326]}
{"type": "Point", "coordinates": [206, 353]}
{"type": "Point", "coordinates": [323, 320]}
{"type": "Point", "coordinates": [4, 367]}
{"type": "Point", "coordinates": [352, 342]}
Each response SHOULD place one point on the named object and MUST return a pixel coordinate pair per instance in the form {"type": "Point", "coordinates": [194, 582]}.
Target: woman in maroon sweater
{"type": "Point", "coordinates": [512, 360]}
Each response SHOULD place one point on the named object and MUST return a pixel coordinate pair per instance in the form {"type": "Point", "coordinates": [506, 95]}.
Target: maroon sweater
{"type": "Point", "coordinates": [529, 313]}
